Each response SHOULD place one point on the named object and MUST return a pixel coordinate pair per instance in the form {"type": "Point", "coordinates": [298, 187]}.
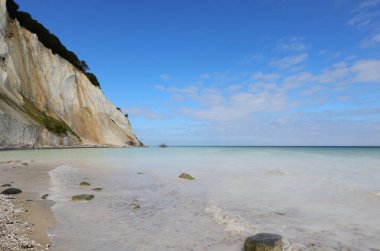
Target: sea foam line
{"type": "Point", "coordinates": [233, 223]}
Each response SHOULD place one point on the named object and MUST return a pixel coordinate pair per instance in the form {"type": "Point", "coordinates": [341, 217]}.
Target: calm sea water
{"type": "Point", "coordinates": [320, 198]}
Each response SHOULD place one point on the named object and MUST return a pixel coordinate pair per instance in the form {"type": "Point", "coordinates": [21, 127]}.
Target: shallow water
{"type": "Point", "coordinates": [321, 198]}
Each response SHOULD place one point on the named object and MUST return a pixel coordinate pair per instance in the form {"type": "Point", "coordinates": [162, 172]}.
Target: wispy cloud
{"type": "Point", "coordinates": [365, 14]}
{"type": "Point", "coordinates": [366, 18]}
{"type": "Point", "coordinates": [367, 71]}
{"type": "Point", "coordinates": [371, 40]}
{"type": "Point", "coordinates": [289, 62]}
{"type": "Point", "coordinates": [265, 77]}
{"type": "Point", "coordinates": [140, 111]}
{"type": "Point", "coordinates": [165, 77]}
{"type": "Point", "coordinates": [269, 106]}
{"type": "Point", "coordinates": [292, 44]}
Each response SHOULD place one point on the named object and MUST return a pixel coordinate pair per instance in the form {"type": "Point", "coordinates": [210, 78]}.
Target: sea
{"type": "Point", "coordinates": [317, 198]}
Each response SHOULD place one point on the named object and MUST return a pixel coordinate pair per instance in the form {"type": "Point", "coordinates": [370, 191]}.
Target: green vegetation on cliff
{"type": "Point", "coordinates": [54, 125]}
{"type": "Point", "coordinates": [48, 39]}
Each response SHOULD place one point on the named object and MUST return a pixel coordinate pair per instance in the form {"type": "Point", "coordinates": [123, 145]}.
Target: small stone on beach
{"type": "Point", "coordinates": [264, 242]}
{"type": "Point", "coordinates": [84, 184]}
{"type": "Point", "coordinates": [83, 197]}
{"type": "Point", "coordinates": [11, 190]}
{"type": "Point", "coordinates": [186, 176]}
{"type": "Point", "coordinates": [44, 197]}
{"type": "Point", "coordinates": [97, 189]}
{"type": "Point", "coordinates": [135, 206]}
{"type": "Point", "coordinates": [6, 185]}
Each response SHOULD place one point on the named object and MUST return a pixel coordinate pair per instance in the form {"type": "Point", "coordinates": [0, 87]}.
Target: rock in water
{"type": "Point", "coordinates": [186, 176]}
{"type": "Point", "coordinates": [264, 242]}
{"type": "Point", "coordinates": [44, 197]}
{"type": "Point", "coordinates": [83, 197]}
{"type": "Point", "coordinates": [11, 190]}
{"type": "Point", "coordinates": [6, 185]}
{"type": "Point", "coordinates": [84, 184]}
{"type": "Point", "coordinates": [97, 189]}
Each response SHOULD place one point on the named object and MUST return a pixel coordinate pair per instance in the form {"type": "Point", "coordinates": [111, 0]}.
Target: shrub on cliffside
{"type": "Point", "coordinates": [48, 39]}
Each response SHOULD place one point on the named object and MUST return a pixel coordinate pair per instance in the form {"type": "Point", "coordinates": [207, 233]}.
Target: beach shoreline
{"type": "Point", "coordinates": [25, 217]}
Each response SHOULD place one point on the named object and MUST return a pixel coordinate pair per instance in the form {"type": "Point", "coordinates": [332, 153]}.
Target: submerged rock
{"type": "Point", "coordinates": [135, 206]}
{"type": "Point", "coordinates": [97, 189]}
{"type": "Point", "coordinates": [83, 197]}
{"type": "Point", "coordinates": [11, 190]}
{"type": "Point", "coordinates": [84, 184]}
{"type": "Point", "coordinates": [264, 242]}
{"type": "Point", "coordinates": [186, 176]}
{"type": "Point", "coordinates": [44, 197]}
{"type": "Point", "coordinates": [6, 185]}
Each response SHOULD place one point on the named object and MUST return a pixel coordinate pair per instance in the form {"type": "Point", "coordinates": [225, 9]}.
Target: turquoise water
{"type": "Point", "coordinates": [319, 198]}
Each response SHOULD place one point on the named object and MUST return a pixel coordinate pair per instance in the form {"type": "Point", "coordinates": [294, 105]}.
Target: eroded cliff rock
{"type": "Point", "coordinates": [46, 101]}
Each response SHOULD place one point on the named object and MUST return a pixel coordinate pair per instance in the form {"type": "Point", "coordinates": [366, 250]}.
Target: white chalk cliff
{"type": "Point", "coordinates": [46, 102]}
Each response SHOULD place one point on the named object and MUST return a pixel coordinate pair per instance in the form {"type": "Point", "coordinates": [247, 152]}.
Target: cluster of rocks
{"type": "Point", "coordinates": [12, 228]}
{"type": "Point", "coordinates": [86, 197]}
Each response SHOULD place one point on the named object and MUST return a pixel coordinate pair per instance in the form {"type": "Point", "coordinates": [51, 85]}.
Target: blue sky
{"type": "Point", "coordinates": [263, 72]}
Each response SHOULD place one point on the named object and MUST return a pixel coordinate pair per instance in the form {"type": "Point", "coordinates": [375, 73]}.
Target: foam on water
{"type": "Point", "coordinates": [232, 223]}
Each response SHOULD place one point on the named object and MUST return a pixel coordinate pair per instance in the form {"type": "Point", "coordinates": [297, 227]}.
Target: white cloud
{"type": "Point", "coordinates": [263, 86]}
{"type": "Point", "coordinates": [268, 108]}
{"type": "Point", "coordinates": [289, 62]}
{"type": "Point", "coordinates": [265, 77]}
{"type": "Point", "coordinates": [139, 111]}
{"type": "Point", "coordinates": [367, 71]}
{"type": "Point", "coordinates": [237, 107]}
{"type": "Point", "coordinates": [233, 88]}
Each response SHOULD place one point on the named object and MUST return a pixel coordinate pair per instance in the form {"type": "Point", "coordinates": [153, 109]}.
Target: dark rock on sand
{"type": "Point", "coordinates": [44, 197]}
{"type": "Point", "coordinates": [264, 242]}
{"type": "Point", "coordinates": [186, 176]}
{"type": "Point", "coordinates": [84, 184]}
{"type": "Point", "coordinates": [11, 190]}
{"type": "Point", "coordinates": [6, 185]}
{"type": "Point", "coordinates": [97, 189]}
{"type": "Point", "coordinates": [83, 197]}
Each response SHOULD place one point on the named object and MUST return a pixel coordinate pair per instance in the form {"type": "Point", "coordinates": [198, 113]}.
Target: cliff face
{"type": "Point", "coordinates": [46, 101]}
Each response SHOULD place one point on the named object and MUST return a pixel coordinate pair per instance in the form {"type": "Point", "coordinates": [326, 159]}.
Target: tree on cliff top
{"type": "Point", "coordinates": [48, 39]}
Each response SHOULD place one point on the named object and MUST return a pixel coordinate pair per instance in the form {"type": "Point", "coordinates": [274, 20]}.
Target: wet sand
{"type": "Point", "coordinates": [26, 217]}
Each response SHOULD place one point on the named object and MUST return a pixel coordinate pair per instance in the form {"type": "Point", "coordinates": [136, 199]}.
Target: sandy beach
{"type": "Point", "coordinates": [25, 217]}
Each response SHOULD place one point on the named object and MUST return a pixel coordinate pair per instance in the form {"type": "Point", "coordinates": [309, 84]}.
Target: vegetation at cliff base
{"type": "Point", "coordinates": [48, 39]}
